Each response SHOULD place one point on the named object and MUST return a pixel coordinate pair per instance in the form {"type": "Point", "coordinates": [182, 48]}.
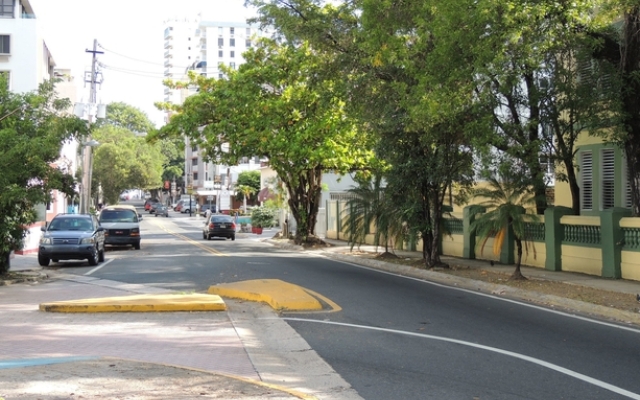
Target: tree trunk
{"type": "Point", "coordinates": [517, 274]}
{"type": "Point", "coordinates": [304, 197]}
{"type": "Point", "coordinates": [5, 262]}
{"type": "Point", "coordinates": [573, 186]}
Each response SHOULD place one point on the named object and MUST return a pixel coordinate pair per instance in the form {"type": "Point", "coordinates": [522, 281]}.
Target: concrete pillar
{"type": "Point", "coordinates": [553, 236]}
{"type": "Point", "coordinates": [612, 241]}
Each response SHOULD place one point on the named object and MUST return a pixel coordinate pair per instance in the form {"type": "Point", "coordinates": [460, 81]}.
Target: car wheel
{"type": "Point", "coordinates": [93, 260]}
{"type": "Point", "coordinates": [43, 261]}
{"type": "Point", "coordinates": [204, 235]}
{"type": "Point", "coordinates": [101, 255]}
{"type": "Point", "coordinates": [233, 237]}
{"type": "Point", "coordinates": [136, 246]}
{"type": "Point", "coordinates": [208, 236]}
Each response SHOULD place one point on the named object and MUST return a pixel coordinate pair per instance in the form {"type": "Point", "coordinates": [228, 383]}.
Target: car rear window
{"type": "Point", "coordinates": [118, 216]}
{"type": "Point", "coordinates": [217, 218]}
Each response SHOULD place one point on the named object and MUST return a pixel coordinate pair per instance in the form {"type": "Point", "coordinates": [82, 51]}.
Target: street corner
{"type": "Point", "coordinates": [139, 303]}
{"type": "Point", "coordinates": [280, 295]}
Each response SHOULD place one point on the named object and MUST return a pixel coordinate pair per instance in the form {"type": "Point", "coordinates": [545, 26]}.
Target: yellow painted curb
{"type": "Point", "coordinates": [278, 294]}
{"type": "Point", "coordinates": [139, 303]}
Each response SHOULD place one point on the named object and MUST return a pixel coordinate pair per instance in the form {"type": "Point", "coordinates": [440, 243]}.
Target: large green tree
{"type": "Point", "coordinates": [277, 106]}
{"type": "Point", "coordinates": [33, 130]}
{"type": "Point", "coordinates": [125, 159]}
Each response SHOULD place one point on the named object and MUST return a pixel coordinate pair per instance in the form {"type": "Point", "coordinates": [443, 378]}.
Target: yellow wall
{"type": "Point", "coordinates": [452, 245]}
{"type": "Point", "coordinates": [630, 265]}
{"type": "Point", "coordinates": [485, 252]}
{"type": "Point", "coordinates": [534, 255]}
{"type": "Point", "coordinates": [586, 260]}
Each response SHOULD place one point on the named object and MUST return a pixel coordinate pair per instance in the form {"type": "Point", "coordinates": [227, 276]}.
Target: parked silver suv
{"type": "Point", "coordinates": [72, 237]}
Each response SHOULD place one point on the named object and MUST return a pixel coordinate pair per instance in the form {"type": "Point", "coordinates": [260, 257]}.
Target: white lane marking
{"type": "Point", "coordinates": [104, 264]}
{"type": "Point", "coordinates": [522, 303]}
{"type": "Point", "coordinates": [523, 357]}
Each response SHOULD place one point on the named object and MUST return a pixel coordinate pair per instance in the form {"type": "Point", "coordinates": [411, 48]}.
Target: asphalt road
{"type": "Point", "coordinates": [397, 337]}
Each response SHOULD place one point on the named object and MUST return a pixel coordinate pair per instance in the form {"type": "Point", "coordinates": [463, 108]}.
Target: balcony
{"type": "Point", "coordinates": [168, 54]}
{"type": "Point", "coordinates": [168, 33]}
{"type": "Point", "coordinates": [167, 44]}
{"type": "Point", "coordinates": [168, 63]}
{"type": "Point", "coordinates": [167, 72]}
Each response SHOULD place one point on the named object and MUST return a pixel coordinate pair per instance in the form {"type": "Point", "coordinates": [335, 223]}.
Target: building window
{"type": "Point", "coordinates": [232, 31]}
{"type": "Point", "coordinates": [220, 53]}
{"type": "Point", "coordinates": [248, 31]}
{"type": "Point", "coordinates": [248, 43]}
{"type": "Point", "coordinates": [220, 76]}
{"type": "Point", "coordinates": [220, 42]}
{"type": "Point", "coordinates": [5, 44]}
{"type": "Point", "coordinates": [195, 176]}
{"type": "Point", "coordinates": [232, 42]}
{"type": "Point", "coordinates": [232, 54]}
{"type": "Point", "coordinates": [194, 149]}
{"type": "Point", "coordinates": [220, 30]}
{"type": "Point", "coordinates": [188, 48]}
{"type": "Point", "coordinates": [194, 162]}
{"type": "Point", "coordinates": [6, 8]}
{"type": "Point", "coordinates": [608, 178]}
{"type": "Point", "coordinates": [232, 65]}
{"type": "Point", "coordinates": [586, 178]}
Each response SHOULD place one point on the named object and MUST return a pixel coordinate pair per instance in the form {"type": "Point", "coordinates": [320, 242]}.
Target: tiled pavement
{"type": "Point", "coordinates": [201, 340]}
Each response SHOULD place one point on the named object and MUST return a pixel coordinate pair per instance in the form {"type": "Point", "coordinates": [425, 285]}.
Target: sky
{"type": "Point", "coordinates": [130, 32]}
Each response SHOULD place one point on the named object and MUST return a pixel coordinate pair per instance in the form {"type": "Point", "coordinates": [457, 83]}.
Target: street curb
{"type": "Point", "coordinates": [25, 276]}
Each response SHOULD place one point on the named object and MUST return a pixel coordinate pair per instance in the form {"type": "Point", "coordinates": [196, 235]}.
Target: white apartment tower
{"type": "Point", "coordinates": [24, 57]}
{"type": "Point", "coordinates": [203, 46]}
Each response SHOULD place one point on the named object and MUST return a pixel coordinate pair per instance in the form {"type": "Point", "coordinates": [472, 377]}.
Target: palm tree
{"type": "Point", "coordinates": [505, 205]}
{"type": "Point", "coordinates": [369, 207]}
{"type": "Point", "coordinates": [246, 191]}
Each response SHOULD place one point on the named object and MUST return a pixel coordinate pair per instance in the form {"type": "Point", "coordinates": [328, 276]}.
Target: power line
{"type": "Point", "coordinates": [131, 58]}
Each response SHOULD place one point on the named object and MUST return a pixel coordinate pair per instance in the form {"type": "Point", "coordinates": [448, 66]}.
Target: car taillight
{"type": "Point", "coordinates": [211, 225]}
{"type": "Point", "coordinates": [233, 225]}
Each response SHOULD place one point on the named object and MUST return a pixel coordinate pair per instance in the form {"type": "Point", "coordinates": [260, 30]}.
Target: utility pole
{"type": "Point", "coordinates": [87, 149]}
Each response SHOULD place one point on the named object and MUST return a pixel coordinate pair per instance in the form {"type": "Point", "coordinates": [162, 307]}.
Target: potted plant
{"type": "Point", "coordinates": [261, 217]}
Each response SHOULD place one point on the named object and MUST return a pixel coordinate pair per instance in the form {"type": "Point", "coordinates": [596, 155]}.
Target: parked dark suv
{"type": "Point", "coordinates": [72, 237]}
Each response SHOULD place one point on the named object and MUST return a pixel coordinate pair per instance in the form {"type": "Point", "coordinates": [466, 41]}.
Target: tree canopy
{"type": "Point", "coordinates": [277, 106]}
{"type": "Point", "coordinates": [33, 130]}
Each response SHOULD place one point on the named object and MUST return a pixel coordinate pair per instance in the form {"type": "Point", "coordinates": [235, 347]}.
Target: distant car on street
{"type": "Point", "coordinates": [72, 237]}
{"type": "Point", "coordinates": [219, 225]}
{"type": "Point", "coordinates": [149, 202]}
{"type": "Point", "coordinates": [161, 209]}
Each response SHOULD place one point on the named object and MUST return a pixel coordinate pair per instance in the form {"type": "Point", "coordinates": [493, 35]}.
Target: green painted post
{"type": "Point", "coordinates": [338, 219]}
{"type": "Point", "coordinates": [469, 236]}
{"type": "Point", "coordinates": [612, 241]}
{"type": "Point", "coordinates": [553, 236]}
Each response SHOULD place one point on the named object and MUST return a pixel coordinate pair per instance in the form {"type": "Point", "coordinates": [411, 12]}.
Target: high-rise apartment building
{"type": "Point", "coordinates": [203, 46]}
{"type": "Point", "coordinates": [25, 58]}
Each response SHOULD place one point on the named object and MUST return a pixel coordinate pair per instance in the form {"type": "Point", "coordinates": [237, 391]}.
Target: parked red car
{"type": "Point", "coordinates": [148, 203]}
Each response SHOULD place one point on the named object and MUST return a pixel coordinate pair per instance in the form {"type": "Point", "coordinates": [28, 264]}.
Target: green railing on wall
{"type": "Point", "coordinates": [584, 235]}
{"type": "Point", "coordinates": [631, 239]}
{"type": "Point", "coordinates": [453, 226]}
{"type": "Point", "coordinates": [534, 231]}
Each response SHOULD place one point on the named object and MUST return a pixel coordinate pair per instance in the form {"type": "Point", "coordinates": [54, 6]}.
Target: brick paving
{"type": "Point", "coordinates": [201, 340]}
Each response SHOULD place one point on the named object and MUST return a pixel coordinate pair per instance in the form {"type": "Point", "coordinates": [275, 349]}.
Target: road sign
{"type": "Point", "coordinates": [209, 197]}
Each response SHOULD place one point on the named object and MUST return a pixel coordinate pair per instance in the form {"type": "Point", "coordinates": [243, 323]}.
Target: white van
{"type": "Point", "coordinates": [122, 225]}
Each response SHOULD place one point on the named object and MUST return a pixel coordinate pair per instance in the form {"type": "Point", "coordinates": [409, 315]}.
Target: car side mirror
{"type": "Point", "coordinates": [100, 229]}
{"type": "Point", "coordinates": [43, 228]}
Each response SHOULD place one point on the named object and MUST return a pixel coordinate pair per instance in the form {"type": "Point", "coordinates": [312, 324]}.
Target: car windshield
{"type": "Point", "coordinates": [118, 216]}
{"type": "Point", "coordinates": [71, 224]}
